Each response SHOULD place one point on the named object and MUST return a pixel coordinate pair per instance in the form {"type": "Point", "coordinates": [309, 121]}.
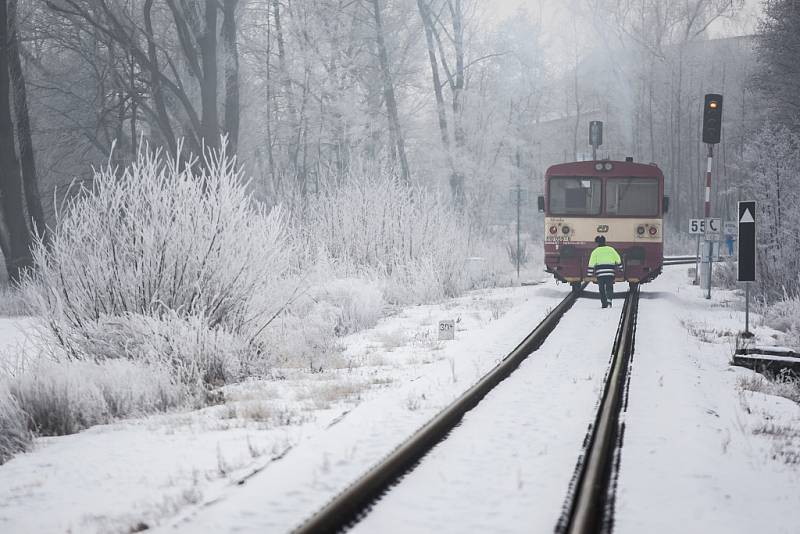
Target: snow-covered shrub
{"type": "Point", "coordinates": [306, 333]}
{"type": "Point", "coordinates": [374, 223]}
{"type": "Point", "coordinates": [166, 254]}
{"type": "Point", "coordinates": [12, 302]}
{"type": "Point", "coordinates": [14, 434]}
{"type": "Point", "coordinates": [783, 315]}
{"type": "Point", "coordinates": [358, 303]}
{"type": "Point", "coordinates": [725, 274]}
{"type": "Point", "coordinates": [199, 356]}
{"type": "Point", "coordinates": [64, 397]}
{"type": "Point", "coordinates": [303, 336]}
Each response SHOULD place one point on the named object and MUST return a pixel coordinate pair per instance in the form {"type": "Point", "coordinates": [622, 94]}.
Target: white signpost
{"type": "Point", "coordinates": [712, 236]}
{"type": "Point", "coordinates": [447, 330]}
{"type": "Point", "coordinates": [714, 253]}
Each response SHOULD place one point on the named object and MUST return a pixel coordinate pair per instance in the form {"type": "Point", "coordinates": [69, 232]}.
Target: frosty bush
{"type": "Point", "coordinates": [14, 434]}
{"type": "Point", "coordinates": [12, 302]}
{"type": "Point", "coordinates": [61, 398]}
{"type": "Point", "coordinates": [198, 355]}
{"type": "Point", "coordinates": [358, 303]}
{"type": "Point", "coordinates": [783, 315]}
{"type": "Point", "coordinates": [166, 241]}
{"type": "Point", "coordinates": [373, 223]}
{"type": "Point", "coordinates": [725, 274]}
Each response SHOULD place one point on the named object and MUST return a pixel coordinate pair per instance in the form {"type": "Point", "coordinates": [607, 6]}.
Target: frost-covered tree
{"type": "Point", "coordinates": [773, 160]}
{"type": "Point", "coordinates": [778, 74]}
{"type": "Point", "coordinates": [21, 213]}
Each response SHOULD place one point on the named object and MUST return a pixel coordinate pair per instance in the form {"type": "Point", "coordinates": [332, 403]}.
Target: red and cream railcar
{"type": "Point", "coordinates": [621, 200]}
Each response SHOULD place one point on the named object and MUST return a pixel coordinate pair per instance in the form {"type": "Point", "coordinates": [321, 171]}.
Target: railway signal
{"type": "Point", "coordinates": [712, 128]}
{"type": "Point", "coordinates": [712, 119]}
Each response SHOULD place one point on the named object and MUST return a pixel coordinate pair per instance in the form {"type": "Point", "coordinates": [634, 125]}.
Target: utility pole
{"type": "Point", "coordinates": [519, 202]}
{"type": "Point", "coordinates": [518, 195]}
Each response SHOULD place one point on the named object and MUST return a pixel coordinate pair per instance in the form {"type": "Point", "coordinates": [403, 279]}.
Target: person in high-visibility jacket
{"type": "Point", "coordinates": [603, 263]}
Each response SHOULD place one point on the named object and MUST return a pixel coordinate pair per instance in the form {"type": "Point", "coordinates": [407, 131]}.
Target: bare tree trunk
{"type": "Point", "coordinates": [162, 117]}
{"type": "Point", "coordinates": [427, 22]}
{"type": "Point", "coordinates": [388, 93]}
{"type": "Point", "coordinates": [208, 85]}
{"type": "Point", "coordinates": [286, 81]}
{"type": "Point", "coordinates": [17, 242]}
{"type": "Point", "coordinates": [30, 179]}
{"type": "Point", "coordinates": [457, 179]}
{"type": "Point", "coordinates": [270, 153]}
{"type": "Point", "coordinates": [231, 51]}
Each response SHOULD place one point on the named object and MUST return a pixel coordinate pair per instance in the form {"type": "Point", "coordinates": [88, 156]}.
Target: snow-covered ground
{"type": "Point", "coordinates": [166, 468]}
{"type": "Point", "coordinates": [701, 453]}
{"type": "Point", "coordinates": [521, 442]}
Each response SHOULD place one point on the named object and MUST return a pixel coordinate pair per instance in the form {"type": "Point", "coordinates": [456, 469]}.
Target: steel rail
{"type": "Point", "coordinates": [590, 506]}
{"type": "Point", "coordinates": [354, 501]}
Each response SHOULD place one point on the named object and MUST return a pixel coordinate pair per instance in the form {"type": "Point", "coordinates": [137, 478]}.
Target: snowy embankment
{"type": "Point", "coordinates": [703, 453]}
{"type": "Point", "coordinates": [327, 427]}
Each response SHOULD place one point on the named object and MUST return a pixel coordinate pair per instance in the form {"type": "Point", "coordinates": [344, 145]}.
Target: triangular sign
{"type": "Point", "coordinates": [747, 217]}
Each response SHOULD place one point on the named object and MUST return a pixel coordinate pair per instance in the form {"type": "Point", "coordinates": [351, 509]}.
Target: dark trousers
{"type": "Point", "coordinates": [606, 284]}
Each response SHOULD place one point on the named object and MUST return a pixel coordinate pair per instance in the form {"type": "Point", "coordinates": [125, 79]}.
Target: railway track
{"type": "Point", "coordinates": [590, 502]}
{"type": "Point", "coordinates": [352, 503]}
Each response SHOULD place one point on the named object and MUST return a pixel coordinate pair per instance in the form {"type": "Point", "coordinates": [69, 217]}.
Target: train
{"type": "Point", "coordinates": [621, 200]}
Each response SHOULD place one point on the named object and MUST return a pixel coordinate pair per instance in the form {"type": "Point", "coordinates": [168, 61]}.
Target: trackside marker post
{"type": "Point", "coordinates": [746, 262]}
{"type": "Point", "coordinates": [447, 330]}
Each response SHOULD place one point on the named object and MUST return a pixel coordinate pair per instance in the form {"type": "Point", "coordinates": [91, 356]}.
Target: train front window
{"type": "Point", "coordinates": [574, 195]}
{"type": "Point", "coordinates": [632, 196]}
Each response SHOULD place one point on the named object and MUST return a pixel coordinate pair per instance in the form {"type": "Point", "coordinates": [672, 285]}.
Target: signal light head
{"type": "Point", "coordinates": [712, 118]}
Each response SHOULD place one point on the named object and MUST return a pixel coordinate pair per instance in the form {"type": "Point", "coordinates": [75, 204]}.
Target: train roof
{"type": "Point", "coordinates": [618, 168]}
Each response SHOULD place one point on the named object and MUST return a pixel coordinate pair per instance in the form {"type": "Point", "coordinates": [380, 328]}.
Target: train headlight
{"type": "Point", "coordinates": [598, 166]}
{"type": "Point", "coordinates": [607, 166]}
{"type": "Point", "coordinates": [640, 230]}
{"type": "Point", "coordinates": [565, 229]}
{"type": "Point", "coordinates": [653, 230]}
{"type": "Point", "coordinates": [553, 229]}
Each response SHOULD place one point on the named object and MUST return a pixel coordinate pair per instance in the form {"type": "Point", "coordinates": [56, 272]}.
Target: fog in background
{"type": "Point", "coordinates": [464, 98]}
